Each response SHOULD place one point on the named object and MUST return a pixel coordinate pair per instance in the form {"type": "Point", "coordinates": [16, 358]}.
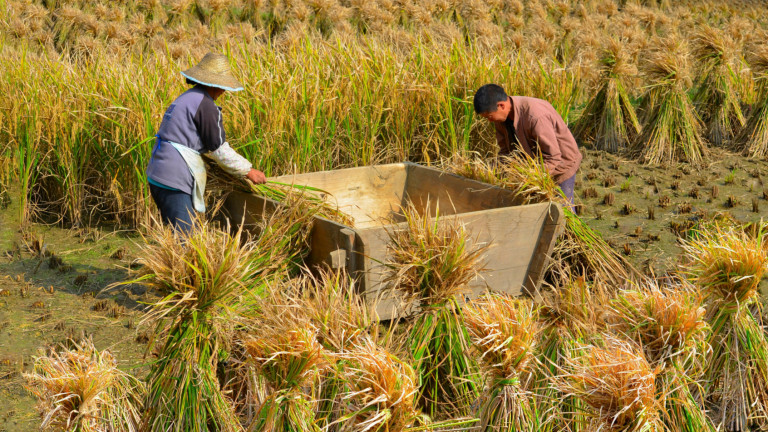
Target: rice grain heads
{"type": "Point", "coordinates": [728, 264]}
{"type": "Point", "coordinates": [81, 389]}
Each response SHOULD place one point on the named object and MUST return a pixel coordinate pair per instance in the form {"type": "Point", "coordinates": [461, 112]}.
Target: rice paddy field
{"type": "Point", "coordinates": [651, 315]}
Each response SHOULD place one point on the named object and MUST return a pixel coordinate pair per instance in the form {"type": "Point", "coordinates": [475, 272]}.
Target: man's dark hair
{"type": "Point", "coordinates": [487, 97]}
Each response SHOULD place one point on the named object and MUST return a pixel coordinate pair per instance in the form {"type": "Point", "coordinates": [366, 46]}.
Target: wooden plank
{"type": "Point", "coordinates": [455, 194]}
{"type": "Point", "coordinates": [553, 227]}
{"type": "Point", "coordinates": [369, 195]}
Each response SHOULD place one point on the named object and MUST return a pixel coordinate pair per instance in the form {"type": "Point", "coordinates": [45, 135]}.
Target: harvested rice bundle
{"type": "Point", "coordinates": [430, 264]}
{"type": "Point", "coordinates": [582, 248]}
{"type": "Point", "coordinates": [753, 138]}
{"type": "Point", "coordinates": [617, 386]}
{"type": "Point", "coordinates": [671, 128]}
{"type": "Point", "coordinates": [289, 358]}
{"type": "Point", "coordinates": [669, 324]}
{"type": "Point", "coordinates": [715, 95]}
{"type": "Point", "coordinates": [505, 332]}
{"type": "Point", "coordinates": [728, 264]}
{"type": "Point", "coordinates": [609, 119]}
{"type": "Point", "coordinates": [381, 393]}
{"type": "Point", "coordinates": [81, 389]}
{"type": "Point", "coordinates": [200, 275]}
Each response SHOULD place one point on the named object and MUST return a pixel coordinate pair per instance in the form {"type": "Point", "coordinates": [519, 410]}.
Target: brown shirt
{"type": "Point", "coordinates": [540, 130]}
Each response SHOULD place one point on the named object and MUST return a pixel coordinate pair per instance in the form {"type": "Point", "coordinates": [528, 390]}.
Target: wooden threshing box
{"type": "Point", "coordinates": [520, 237]}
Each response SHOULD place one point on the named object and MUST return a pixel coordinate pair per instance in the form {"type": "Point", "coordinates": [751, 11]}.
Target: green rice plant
{"type": "Point", "coordinates": [671, 128]}
{"type": "Point", "coordinates": [715, 92]}
{"type": "Point", "coordinates": [616, 384]}
{"type": "Point", "coordinates": [382, 391]}
{"type": "Point", "coordinates": [753, 138]}
{"type": "Point", "coordinates": [80, 389]}
{"type": "Point", "coordinates": [609, 120]}
{"type": "Point", "coordinates": [580, 246]}
{"type": "Point", "coordinates": [430, 264]}
{"type": "Point", "coordinates": [728, 265]}
{"type": "Point", "coordinates": [505, 332]}
{"type": "Point", "coordinates": [668, 323]}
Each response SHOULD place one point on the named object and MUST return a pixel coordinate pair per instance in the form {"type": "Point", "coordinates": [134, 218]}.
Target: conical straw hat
{"type": "Point", "coordinates": [214, 71]}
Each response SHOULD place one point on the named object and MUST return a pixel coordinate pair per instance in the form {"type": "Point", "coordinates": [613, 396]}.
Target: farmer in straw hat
{"type": "Point", "coordinates": [192, 126]}
{"type": "Point", "coordinates": [535, 127]}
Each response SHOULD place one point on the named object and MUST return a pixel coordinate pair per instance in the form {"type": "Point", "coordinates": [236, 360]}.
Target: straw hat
{"type": "Point", "coordinates": [213, 71]}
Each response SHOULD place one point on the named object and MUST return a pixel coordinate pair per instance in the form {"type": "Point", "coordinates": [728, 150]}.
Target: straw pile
{"type": "Point", "coordinates": [753, 138]}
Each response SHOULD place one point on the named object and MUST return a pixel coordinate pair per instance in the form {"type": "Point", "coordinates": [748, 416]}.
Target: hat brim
{"type": "Point", "coordinates": [227, 83]}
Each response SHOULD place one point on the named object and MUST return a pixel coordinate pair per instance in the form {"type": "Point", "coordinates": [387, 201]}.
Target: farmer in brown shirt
{"type": "Point", "coordinates": [533, 125]}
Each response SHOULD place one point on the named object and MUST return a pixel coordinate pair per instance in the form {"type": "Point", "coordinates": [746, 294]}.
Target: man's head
{"type": "Point", "coordinates": [492, 103]}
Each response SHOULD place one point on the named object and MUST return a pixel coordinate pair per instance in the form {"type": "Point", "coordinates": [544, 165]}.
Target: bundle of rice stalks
{"type": "Point", "coordinates": [617, 385]}
{"type": "Point", "coordinates": [81, 389]}
{"type": "Point", "coordinates": [728, 264]}
{"type": "Point", "coordinates": [669, 325]}
{"type": "Point", "coordinates": [609, 119]}
{"type": "Point", "coordinates": [381, 393]}
{"type": "Point", "coordinates": [753, 138]}
{"type": "Point", "coordinates": [311, 199]}
{"type": "Point", "coordinates": [200, 275]}
{"type": "Point", "coordinates": [671, 128]}
{"type": "Point", "coordinates": [505, 331]}
{"type": "Point", "coordinates": [431, 263]}
{"type": "Point", "coordinates": [289, 358]}
{"type": "Point", "coordinates": [580, 249]}
{"type": "Point", "coordinates": [715, 94]}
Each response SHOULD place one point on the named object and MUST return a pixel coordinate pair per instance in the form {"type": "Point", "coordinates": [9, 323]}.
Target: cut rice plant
{"type": "Point", "coordinates": [728, 265]}
{"type": "Point", "coordinates": [617, 386]}
{"type": "Point", "coordinates": [753, 138]}
{"type": "Point", "coordinates": [715, 92]}
{"type": "Point", "coordinates": [381, 394]}
{"type": "Point", "coordinates": [431, 263]}
{"type": "Point", "coordinates": [671, 128]}
{"type": "Point", "coordinates": [668, 323]}
{"type": "Point", "coordinates": [289, 358]}
{"type": "Point", "coordinates": [609, 120]}
{"type": "Point", "coordinates": [581, 247]}
{"type": "Point", "coordinates": [505, 332]}
{"type": "Point", "coordinates": [81, 390]}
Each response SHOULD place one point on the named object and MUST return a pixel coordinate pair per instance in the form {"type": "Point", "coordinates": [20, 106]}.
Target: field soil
{"type": "Point", "coordinates": [53, 280]}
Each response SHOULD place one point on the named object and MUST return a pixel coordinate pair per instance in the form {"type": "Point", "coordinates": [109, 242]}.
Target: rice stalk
{"type": "Point", "coordinates": [81, 389]}
{"type": "Point", "coordinates": [715, 92]}
{"type": "Point", "coordinates": [617, 385]}
{"type": "Point", "coordinates": [671, 128]}
{"type": "Point", "coordinates": [728, 265]}
{"type": "Point", "coordinates": [430, 264]}
{"type": "Point", "coordinates": [668, 323]}
{"type": "Point", "coordinates": [505, 332]}
{"type": "Point", "coordinates": [753, 137]}
{"type": "Point", "coordinates": [609, 120]}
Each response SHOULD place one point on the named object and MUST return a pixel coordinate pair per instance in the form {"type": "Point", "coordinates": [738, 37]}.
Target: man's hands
{"type": "Point", "coordinates": [256, 176]}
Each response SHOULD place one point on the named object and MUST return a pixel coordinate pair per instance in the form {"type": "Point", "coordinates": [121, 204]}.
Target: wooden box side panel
{"type": "Point", "coordinates": [247, 209]}
{"type": "Point", "coordinates": [454, 194]}
{"type": "Point", "coordinates": [513, 235]}
{"type": "Point", "coordinates": [368, 195]}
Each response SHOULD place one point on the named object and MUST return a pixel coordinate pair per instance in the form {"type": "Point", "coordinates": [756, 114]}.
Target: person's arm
{"type": "Point", "coordinates": [501, 139]}
{"type": "Point", "coordinates": [542, 131]}
{"type": "Point", "coordinates": [210, 127]}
